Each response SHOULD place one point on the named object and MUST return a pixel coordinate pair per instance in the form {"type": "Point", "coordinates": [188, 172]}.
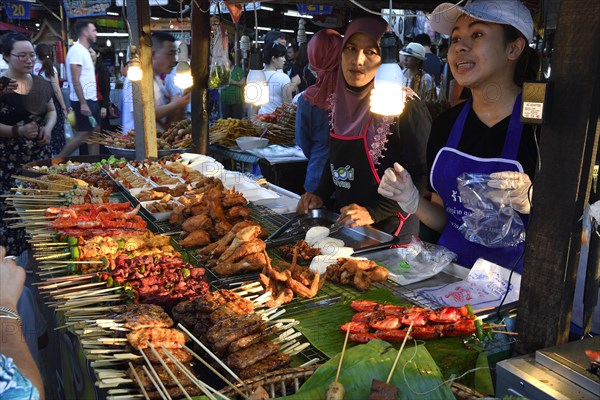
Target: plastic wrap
{"type": "Point", "coordinates": [492, 222]}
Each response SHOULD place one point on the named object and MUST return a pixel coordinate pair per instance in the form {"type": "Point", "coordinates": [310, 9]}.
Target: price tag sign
{"type": "Point", "coordinates": [17, 9]}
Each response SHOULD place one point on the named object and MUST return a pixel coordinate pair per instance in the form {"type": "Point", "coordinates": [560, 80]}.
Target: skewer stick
{"type": "Point", "coordinates": [139, 381]}
{"type": "Point", "coordinates": [159, 387]}
{"type": "Point", "coordinates": [210, 367]}
{"type": "Point", "coordinates": [206, 389]}
{"type": "Point", "coordinates": [505, 332]}
{"type": "Point", "coordinates": [166, 367]}
{"type": "Point", "coordinates": [339, 368]}
{"type": "Point", "coordinates": [32, 180]}
{"type": "Point", "coordinates": [399, 352]}
{"type": "Point", "coordinates": [157, 383]}
{"type": "Point", "coordinates": [207, 350]}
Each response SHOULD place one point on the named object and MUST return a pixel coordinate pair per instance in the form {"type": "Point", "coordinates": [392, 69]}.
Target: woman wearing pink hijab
{"type": "Point", "coordinates": [312, 116]}
{"type": "Point", "coordinates": [362, 145]}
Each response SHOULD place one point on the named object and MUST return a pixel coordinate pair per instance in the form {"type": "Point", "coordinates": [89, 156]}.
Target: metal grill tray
{"type": "Point", "coordinates": [359, 238]}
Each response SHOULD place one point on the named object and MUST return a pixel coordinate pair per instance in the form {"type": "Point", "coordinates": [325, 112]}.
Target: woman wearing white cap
{"type": "Point", "coordinates": [488, 54]}
{"type": "Point", "coordinates": [414, 76]}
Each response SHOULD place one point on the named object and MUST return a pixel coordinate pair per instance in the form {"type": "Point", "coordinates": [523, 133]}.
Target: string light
{"type": "Point", "coordinates": [183, 73]}
{"type": "Point", "coordinates": [134, 66]}
{"type": "Point", "coordinates": [256, 90]}
{"type": "Point", "coordinates": [387, 96]}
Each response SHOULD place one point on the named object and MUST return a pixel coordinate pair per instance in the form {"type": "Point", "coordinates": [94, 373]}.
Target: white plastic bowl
{"type": "Point", "coordinates": [251, 142]}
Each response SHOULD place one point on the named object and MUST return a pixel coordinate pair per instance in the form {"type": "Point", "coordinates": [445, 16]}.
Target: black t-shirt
{"type": "Point", "coordinates": [480, 140]}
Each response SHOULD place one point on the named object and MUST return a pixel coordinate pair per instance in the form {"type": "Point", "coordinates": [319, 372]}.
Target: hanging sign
{"type": "Point", "coordinates": [336, 19]}
{"type": "Point", "coordinates": [86, 8]}
{"type": "Point", "coordinates": [119, 3]}
{"type": "Point", "coordinates": [17, 9]}
{"type": "Point", "coordinates": [314, 9]}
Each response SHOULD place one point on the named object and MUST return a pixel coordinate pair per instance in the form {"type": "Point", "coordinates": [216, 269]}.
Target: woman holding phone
{"type": "Point", "coordinates": [27, 117]}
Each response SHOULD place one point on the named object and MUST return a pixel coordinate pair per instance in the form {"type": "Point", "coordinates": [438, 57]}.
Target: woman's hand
{"type": "Point", "coordinates": [103, 112]}
{"type": "Point", "coordinates": [29, 131]}
{"type": "Point", "coordinates": [354, 215]}
{"type": "Point", "coordinates": [512, 186]}
{"type": "Point", "coordinates": [12, 278]}
{"type": "Point", "coordinates": [308, 201]}
{"type": "Point", "coordinates": [397, 185]}
{"type": "Point", "coordinates": [9, 88]}
{"type": "Point", "coordinates": [45, 136]}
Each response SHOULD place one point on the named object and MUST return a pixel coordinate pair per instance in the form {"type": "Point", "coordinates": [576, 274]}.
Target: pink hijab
{"type": "Point", "coordinates": [351, 108]}
{"type": "Point", "coordinates": [321, 47]}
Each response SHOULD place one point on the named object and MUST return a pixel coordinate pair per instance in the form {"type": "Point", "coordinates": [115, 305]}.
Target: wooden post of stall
{"type": "Point", "coordinates": [200, 50]}
{"type": "Point", "coordinates": [568, 147]}
{"type": "Point", "coordinates": [144, 116]}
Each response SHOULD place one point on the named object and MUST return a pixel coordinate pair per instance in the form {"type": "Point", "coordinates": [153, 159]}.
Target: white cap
{"type": "Point", "coordinates": [415, 50]}
{"type": "Point", "coordinates": [507, 12]}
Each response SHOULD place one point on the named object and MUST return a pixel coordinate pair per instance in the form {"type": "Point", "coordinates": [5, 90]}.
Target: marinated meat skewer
{"type": "Point", "coordinates": [169, 338]}
{"type": "Point", "coordinates": [251, 355]}
{"type": "Point", "coordinates": [383, 390]}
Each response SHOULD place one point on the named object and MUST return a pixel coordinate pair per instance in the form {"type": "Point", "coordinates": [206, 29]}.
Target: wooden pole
{"type": "Point", "coordinates": [199, 49]}
{"type": "Point", "coordinates": [144, 116]}
{"type": "Point", "coordinates": [563, 185]}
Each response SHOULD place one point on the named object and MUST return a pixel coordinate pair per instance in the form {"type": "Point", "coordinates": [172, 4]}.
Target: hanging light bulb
{"type": "Point", "coordinates": [183, 72]}
{"type": "Point", "coordinates": [256, 90]}
{"type": "Point", "coordinates": [245, 46]}
{"type": "Point", "coordinates": [387, 97]}
{"type": "Point", "coordinates": [134, 67]}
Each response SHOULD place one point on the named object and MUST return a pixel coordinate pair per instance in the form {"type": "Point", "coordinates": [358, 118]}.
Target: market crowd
{"type": "Point", "coordinates": [398, 174]}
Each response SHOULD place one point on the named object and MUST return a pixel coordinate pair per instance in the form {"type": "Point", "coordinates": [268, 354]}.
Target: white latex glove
{"type": "Point", "coordinates": [397, 185]}
{"type": "Point", "coordinates": [514, 186]}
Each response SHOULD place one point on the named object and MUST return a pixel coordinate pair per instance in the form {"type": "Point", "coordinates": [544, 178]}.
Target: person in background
{"type": "Point", "coordinates": [296, 60]}
{"type": "Point", "coordinates": [20, 377]}
{"type": "Point", "coordinates": [167, 106]}
{"type": "Point", "coordinates": [83, 92]}
{"type": "Point", "coordinates": [432, 63]}
{"type": "Point", "coordinates": [281, 88]}
{"type": "Point", "coordinates": [24, 137]}
{"type": "Point", "coordinates": [102, 85]}
{"type": "Point", "coordinates": [362, 145]}
{"type": "Point", "coordinates": [489, 54]}
{"type": "Point", "coordinates": [232, 96]}
{"type": "Point", "coordinates": [274, 36]}
{"type": "Point", "coordinates": [44, 67]}
{"type": "Point", "coordinates": [414, 76]}
{"type": "Point", "coordinates": [314, 106]}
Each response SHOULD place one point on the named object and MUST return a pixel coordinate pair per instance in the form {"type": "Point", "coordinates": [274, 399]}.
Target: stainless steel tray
{"type": "Point", "coordinates": [130, 153]}
{"type": "Point", "coordinates": [361, 238]}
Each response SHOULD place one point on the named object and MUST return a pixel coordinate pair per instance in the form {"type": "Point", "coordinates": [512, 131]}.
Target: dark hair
{"type": "Point", "coordinates": [528, 62]}
{"type": "Point", "coordinates": [294, 46]}
{"type": "Point", "coordinates": [159, 39]}
{"type": "Point", "coordinates": [81, 25]}
{"type": "Point", "coordinates": [272, 36]}
{"type": "Point", "coordinates": [273, 50]}
{"type": "Point", "coordinates": [44, 54]}
{"type": "Point", "coordinates": [8, 41]}
{"type": "Point", "coordinates": [423, 39]}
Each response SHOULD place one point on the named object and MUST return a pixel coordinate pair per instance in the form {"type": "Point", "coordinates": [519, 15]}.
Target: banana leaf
{"type": "Point", "coordinates": [416, 374]}
{"type": "Point", "coordinates": [321, 326]}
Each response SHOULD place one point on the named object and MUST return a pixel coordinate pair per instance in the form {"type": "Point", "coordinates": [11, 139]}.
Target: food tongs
{"type": "Point", "coordinates": [291, 231]}
{"type": "Point", "coordinates": [295, 229]}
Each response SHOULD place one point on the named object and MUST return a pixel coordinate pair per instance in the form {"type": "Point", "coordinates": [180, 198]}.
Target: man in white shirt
{"type": "Point", "coordinates": [81, 74]}
{"type": "Point", "coordinates": [168, 107]}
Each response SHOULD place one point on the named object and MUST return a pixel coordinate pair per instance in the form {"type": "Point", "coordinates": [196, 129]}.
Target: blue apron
{"type": "Point", "coordinates": [449, 164]}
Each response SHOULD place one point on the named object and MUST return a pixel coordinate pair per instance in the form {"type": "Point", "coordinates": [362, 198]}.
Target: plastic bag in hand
{"type": "Point", "coordinates": [518, 186]}
{"type": "Point", "coordinates": [493, 222]}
